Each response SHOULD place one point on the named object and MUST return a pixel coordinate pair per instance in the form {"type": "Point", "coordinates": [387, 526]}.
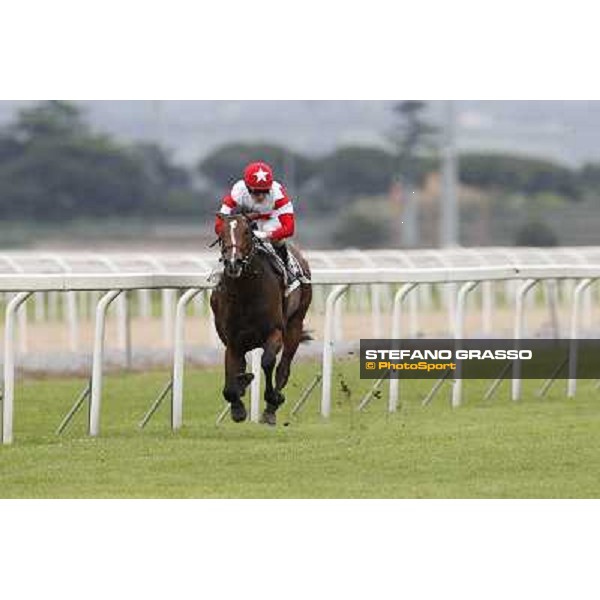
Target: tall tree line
{"type": "Point", "coordinates": [53, 166]}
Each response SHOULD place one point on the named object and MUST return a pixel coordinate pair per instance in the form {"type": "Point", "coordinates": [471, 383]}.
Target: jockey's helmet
{"type": "Point", "coordinates": [258, 176]}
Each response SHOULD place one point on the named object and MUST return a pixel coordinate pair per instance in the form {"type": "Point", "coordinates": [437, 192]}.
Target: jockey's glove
{"type": "Point", "coordinates": [261, 235]}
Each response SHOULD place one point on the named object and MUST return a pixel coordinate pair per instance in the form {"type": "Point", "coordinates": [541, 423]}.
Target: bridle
{"type": "Point", "coordinates": [244, 260]}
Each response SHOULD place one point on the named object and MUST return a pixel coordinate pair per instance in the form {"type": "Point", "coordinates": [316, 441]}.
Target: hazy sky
{"type": "Point", "coordinates": [568, 131]}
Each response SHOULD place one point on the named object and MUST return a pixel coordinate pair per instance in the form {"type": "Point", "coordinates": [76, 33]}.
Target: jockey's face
{"type": "Point", "coordinates": [258, 196]}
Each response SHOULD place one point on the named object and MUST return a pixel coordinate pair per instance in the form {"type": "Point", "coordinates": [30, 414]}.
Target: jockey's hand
{"type": "Point", "coordinates": [261, 235]}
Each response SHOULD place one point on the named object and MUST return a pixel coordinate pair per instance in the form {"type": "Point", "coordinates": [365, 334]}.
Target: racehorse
{"type": "Point", "coordinates": [251, 311]}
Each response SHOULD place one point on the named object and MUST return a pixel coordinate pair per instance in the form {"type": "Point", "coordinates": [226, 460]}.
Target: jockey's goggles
{"type": "Point", "coordinates": [258, 192]}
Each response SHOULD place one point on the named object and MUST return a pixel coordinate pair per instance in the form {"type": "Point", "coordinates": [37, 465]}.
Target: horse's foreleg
{"type": "Point", "coordinates": [232, 390]}
{"type": "Point", "coordinates": [273, 397]}
{"type": "Point", "coordinates": [244, 379]}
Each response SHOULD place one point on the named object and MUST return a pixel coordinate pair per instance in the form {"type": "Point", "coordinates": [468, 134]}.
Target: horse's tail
{"type": "Point", "coordinates": [305, 336]}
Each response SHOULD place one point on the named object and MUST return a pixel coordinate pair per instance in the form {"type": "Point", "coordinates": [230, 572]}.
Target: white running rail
{"type": "Point", "coordinates": [113, 283]}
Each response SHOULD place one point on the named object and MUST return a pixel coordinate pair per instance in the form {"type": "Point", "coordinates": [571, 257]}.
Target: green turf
{"type": "Point", "coordinates": [537, 448]}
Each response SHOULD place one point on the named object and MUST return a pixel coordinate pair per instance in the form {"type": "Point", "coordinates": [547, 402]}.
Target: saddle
{"type": "Point", "coordinates": [292, 273]}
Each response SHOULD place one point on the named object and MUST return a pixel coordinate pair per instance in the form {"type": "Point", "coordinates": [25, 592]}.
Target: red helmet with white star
{"type": "Point", "coordinates": [258, 176]}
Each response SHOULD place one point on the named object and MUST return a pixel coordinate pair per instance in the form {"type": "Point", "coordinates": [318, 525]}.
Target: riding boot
{"type": "Point", "coordinates": [282, 251]}
{"type": "Point", "coordinates": [293, 267]}
{"type": "Point", "coordinates": [291, 270]}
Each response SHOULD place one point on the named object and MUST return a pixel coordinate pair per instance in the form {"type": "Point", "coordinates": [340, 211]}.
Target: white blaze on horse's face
{"type": "Point", "coordinates": [232, 226]}
{"type": "Point", "coordinates": [233, 264]}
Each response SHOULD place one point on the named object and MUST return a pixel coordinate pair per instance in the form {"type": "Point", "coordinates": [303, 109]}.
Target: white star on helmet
{"type": "Point", "coordinates": [260, 175]}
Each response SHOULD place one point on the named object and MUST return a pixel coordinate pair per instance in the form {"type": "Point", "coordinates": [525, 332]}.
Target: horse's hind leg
{"type": "Point", "coordinates": [273, 397]}
{"type": "Point", "coordinates": [293, 337]}
{"type": "Point", "coordinates": [232, 390]}
{"type": "Point", "coordinates": [291, 340]}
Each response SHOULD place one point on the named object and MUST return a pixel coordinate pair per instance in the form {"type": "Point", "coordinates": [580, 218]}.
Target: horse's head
{"type": "Point", "coordinates": [237, 244]}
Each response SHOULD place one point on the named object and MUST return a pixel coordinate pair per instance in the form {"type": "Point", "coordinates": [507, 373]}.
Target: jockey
{"type": "Point", "coordinates": [273, 212]}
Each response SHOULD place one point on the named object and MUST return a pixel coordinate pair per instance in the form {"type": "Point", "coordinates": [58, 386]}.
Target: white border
{"type": "Point", "coordinates": [309, 50]}
{"type": "Point", "coordinates": [298, 549]}
{"type": "Point", "coordinates": [312, 50]}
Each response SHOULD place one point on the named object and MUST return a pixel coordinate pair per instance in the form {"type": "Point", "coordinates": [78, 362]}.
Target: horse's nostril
{"type": "Point", "coordinates": [233, 268]}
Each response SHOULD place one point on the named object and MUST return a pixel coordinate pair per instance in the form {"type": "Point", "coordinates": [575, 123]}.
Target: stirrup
{"type": "Point", "coordinates": [299, 276]}
{"type": "Point", "coordinates": [290, 288]}
{"type": "Point", "coordinates": [295, 269]}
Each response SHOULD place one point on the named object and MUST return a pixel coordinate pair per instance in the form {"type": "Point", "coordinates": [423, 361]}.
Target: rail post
{"type": "Point", "coordinates": [518, 334]}
{"type": "Point", "coordinates": [9, 365]}
{"type": "Point", "coordinates": [459, 333]}
{"type": "Point", "coordinates": [328, 342]}
{"type": "Point", "coordinates": [399, 298]}
{"type": "Point", "coordinates": [179, 358]}
{"type": "Point", "coordinates": [578, 294]}
{"type": "Point", "coordinates": [98, 359]}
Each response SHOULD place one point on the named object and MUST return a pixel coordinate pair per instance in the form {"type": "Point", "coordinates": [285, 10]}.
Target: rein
{"type": "Point", "coordinates": [246, 260]}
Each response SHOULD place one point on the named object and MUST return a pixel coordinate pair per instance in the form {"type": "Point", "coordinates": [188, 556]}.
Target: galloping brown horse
{"type": "Point", "coordinates": [251, 311]}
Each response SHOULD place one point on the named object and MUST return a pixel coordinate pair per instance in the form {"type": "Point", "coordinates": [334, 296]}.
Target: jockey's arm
{"type": "Point", "coordinates": [286, 228]}
{"type": "Point", "coordinates": [284, 212]}
{"type": "Point", "coordinates": [227, 206]}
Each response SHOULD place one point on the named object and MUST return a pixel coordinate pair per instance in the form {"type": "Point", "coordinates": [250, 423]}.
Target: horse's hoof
{"type": "Point", "coordinates": [268, 418]}
{"type": "Point", "coordinates": [238, 412]}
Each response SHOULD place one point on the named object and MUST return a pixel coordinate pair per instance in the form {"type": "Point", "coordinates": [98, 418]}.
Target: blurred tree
{"type": "Point", "coordinates": [365, 224]}
{"type": "Point", "coordinates": [68, 178]}
{"type": "Point", "coordinates": [168, 187]}
{"type": "Point", "coordinates": [53, 118]}
{"type": "Point", "coordinates": [536, 233]}
{"type": "Point", "coordinates": [158, 168]}
{"type": "Point", "coordinates": [354, 171]}
{"type": "Point", "coordinates": [515, 174]}
{"type": "Point", "coordinates": [589, 176]}
{"type": "Point", "coordinates": [412, 137]}
{"type": "Point", "coordinates": [224, 166]}
{"type": "Point", "coordinates": [9, 147]}
{"type": "Point", "coordinates": [52, 167]}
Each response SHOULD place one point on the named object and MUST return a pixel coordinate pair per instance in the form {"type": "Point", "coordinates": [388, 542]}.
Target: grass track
{"type": "Point", "coordinates": [538, 448]}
